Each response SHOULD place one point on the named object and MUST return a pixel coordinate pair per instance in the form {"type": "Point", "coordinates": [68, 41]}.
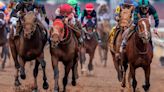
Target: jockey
{"type": "Point", "coordinates": [90, 14]}
{"type": "Point", "coordinates": [122, 4]}
{"type": "Point", "coordinates": [25, 6]}
{"type": "Point", "coordinates": [75, 5]}
{"type": "Point", "coordinates": [144, 9]}
{"type": "Point", "coordinates": [4, 9]}
{"type": "Point", "coordinates": [102, 10]}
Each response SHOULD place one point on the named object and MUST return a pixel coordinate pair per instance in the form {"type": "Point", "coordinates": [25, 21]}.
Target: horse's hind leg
{"type": "Point", "coordinates": [35, 74]}
{"type": "Point", "coordinates": [134, 82]}
{"type": "Point", "coordinates": [67, 70]}
{"type": "Point", "coordinates": [147, 78]}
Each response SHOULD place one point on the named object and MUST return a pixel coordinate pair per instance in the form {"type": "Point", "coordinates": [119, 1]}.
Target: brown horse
{"type": "Point", "coordinates": [3, 40]}
{"type": "Point", "coordinates": [103, 30]}
{"type": "Point", "coordinates": [124, 23]}
{"type": "Point", "coordinates": [88, 46]}
{"type": "Point", "coordinates": [63, 47]}
{"type": "Point", "coordinates": [29, 46]}
{"type": "Point", "coordinates": [139, 53]}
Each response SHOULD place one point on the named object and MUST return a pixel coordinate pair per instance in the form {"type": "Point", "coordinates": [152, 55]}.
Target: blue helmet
{"type": "Point", "coordinates": [129, 2]}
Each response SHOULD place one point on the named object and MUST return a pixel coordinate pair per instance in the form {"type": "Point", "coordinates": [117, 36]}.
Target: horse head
{"type": "Point", "coordinates": [89, 26]}
{"type": "Point", "coordinates": [29, 23]}
{"type": "Point", "coordinates": [125, 17]}
{"type": "Point", "coordinates": [2, 19]}
{"type": "Point", "coordinates": [57, 32]}
{"type": "Point", "coordinates": [144, 30]}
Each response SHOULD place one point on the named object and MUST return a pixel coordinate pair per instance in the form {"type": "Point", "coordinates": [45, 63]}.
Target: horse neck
{"type": "Point", "coordinates": [139, 43]}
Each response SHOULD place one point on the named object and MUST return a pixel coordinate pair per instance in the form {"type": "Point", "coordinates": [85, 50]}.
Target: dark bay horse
{"type": "Point", "coordinates": [88, 46]}
{"type": "Point", "coordinates": [139, 53]}
{"type": "Point", "coordinates": [63, 47]}
{"type": "Point", "coordinates": [124, 23]}
{"type": "Point", "coordinates": [103, 30]}
{"type": "Point", "coordinates": [29, 46]}
{"type": "Point", "coordinates": [3, 40]}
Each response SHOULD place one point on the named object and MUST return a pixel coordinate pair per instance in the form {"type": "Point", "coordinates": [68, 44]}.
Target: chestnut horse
{"type": "Point", "coordinates": [88, 46]}
{"type": "Point", "coordinates": [139, 53]}
{"type": "Point", "coordinates": [124, 23]}
{"type": "Point", "coordinates": [63, 47]}
{"type": "Point", "coordinates": [29, 46]}
{"type": "Point", "coordinates": [3, 40]}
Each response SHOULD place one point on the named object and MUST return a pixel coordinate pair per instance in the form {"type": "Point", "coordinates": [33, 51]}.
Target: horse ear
{"type": "Point", "coordinates": [132, 8]}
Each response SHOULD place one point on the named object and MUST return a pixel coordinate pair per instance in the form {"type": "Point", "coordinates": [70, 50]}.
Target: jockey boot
{"type": "Point", "coordinates": [18, 28]}
{"type": "Point", "coordinates": [125, 38]}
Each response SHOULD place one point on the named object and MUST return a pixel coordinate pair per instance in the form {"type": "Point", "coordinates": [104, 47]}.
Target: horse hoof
{"type": "Point", "coordinates": [90, 73]}
{"type": "Point", "coordinates": [146, 87]}
{"type": "Point", "coordinates": [35, 90]}
{"type": "Point", "coordinates": [23, 76]}
{"type": "Point", "coordinates": [45, 85]}
{"type": "Point", "coordinates": [17, 83]}
{"type": "Point", "coordinates": [73, 83]}
{"type": "Point", "coordinates": [123, 85]}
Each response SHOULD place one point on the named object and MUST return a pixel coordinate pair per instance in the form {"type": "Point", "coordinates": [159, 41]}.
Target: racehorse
{"type": "Point", "coordinates": [63, 47]}
{"type": "Point", "coordinates": [3, 40]}
{"type": "Point", "coordinates": [124, 23]}
{"type": "Point", "coordinates": [103, 30]}
{"type": "Point", "coordinates": [29, 46]}
{"type": "Point", "coordinates": [139, 53]}
{"type": "Point", "coordinates": [88, 45]}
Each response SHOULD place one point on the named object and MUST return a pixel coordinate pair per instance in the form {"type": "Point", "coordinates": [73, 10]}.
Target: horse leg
{"type": "Point", "coordinates": [74, 73]}
{"type": "Point", "coordinates": [90, 65]}
{"type": "Point", "coordinates": [82, 59]}
{"type": "Point", "coordinates": [17, 65]}
{"type": "Point", "coordinates": [124, 74]}
{"type": "Point", "coordinates": [5, 52]}
{"type": "Point", "coordinates": [22, 68]}
{"type": "Point", "coordinates": [147, 78]}
{"type": "Point", "coordinates": [35, 74]}
{"type": "Point", "coordinates": [67, 70]}
{"type": "Point", "coordinates": [43, 64]}
{"type": "Point", "coordinates": [105, 56]}
{"type": "Point", "coordinates": [134, 82]}
{"type": "Point", "coordinates": [56, 73]}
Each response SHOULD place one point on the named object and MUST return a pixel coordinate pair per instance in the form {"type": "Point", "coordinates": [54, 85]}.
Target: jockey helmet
{"type": "Point", "coordinates": [66, 9]}
{"type": "Point", "coordinates": [143, 4]}
{"type": "Point", "coordinates": [89, 7]}
{"type": "Point", "coordinates": [128, 2]}
{"type": "Point", "coordinates": [72, 2]}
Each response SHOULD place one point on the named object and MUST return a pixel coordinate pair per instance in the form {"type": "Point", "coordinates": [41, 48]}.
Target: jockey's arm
{"type": "Point", "coordinates": [18, 7]}
{"type": "Point", "coordinates": [155, 15]}
{"type": "Point", "coordinates": [94, 17]}
{"type": "Point", "coordinates": [135, 16]}
{"type": "Point", "coordinates": [78, 10]}
{"type": "Point", "coordinates": [82, 16]}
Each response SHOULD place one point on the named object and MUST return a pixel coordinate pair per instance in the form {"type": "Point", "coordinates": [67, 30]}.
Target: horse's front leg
{"type": "Point", "coordinates": [17, 66]}
{"type": "Point", "coordinates": [43, 64]}
{"type": "Point", "coordinates": [74, 71]}
{"type": "Point", "coordinates": [82, 59]}
{"type": "Point", "coordinates": [56, 73]}
{"type": "Point", "coordinates": [90, 65]}
{"type": "Point", "coordinates": [35, 74]}
{"type": "Point", "coordinates": [147, 78]}
{"type": "Point", "coordinates": [67, 70]}
{"type": "Point", "coordinates": [22, 68]}
{"type": "Point", "coordinates": [4, 54]}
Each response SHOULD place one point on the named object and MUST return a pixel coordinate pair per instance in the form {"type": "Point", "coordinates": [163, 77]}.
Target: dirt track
{"type": "Point", "coordinates": [104, 79]}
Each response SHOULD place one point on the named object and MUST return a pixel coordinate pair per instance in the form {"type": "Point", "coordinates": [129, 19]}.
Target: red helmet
{"type": "Point", "coordinates": [66, 9]}
{"type": "Point", "coordinates": [89, 6]}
